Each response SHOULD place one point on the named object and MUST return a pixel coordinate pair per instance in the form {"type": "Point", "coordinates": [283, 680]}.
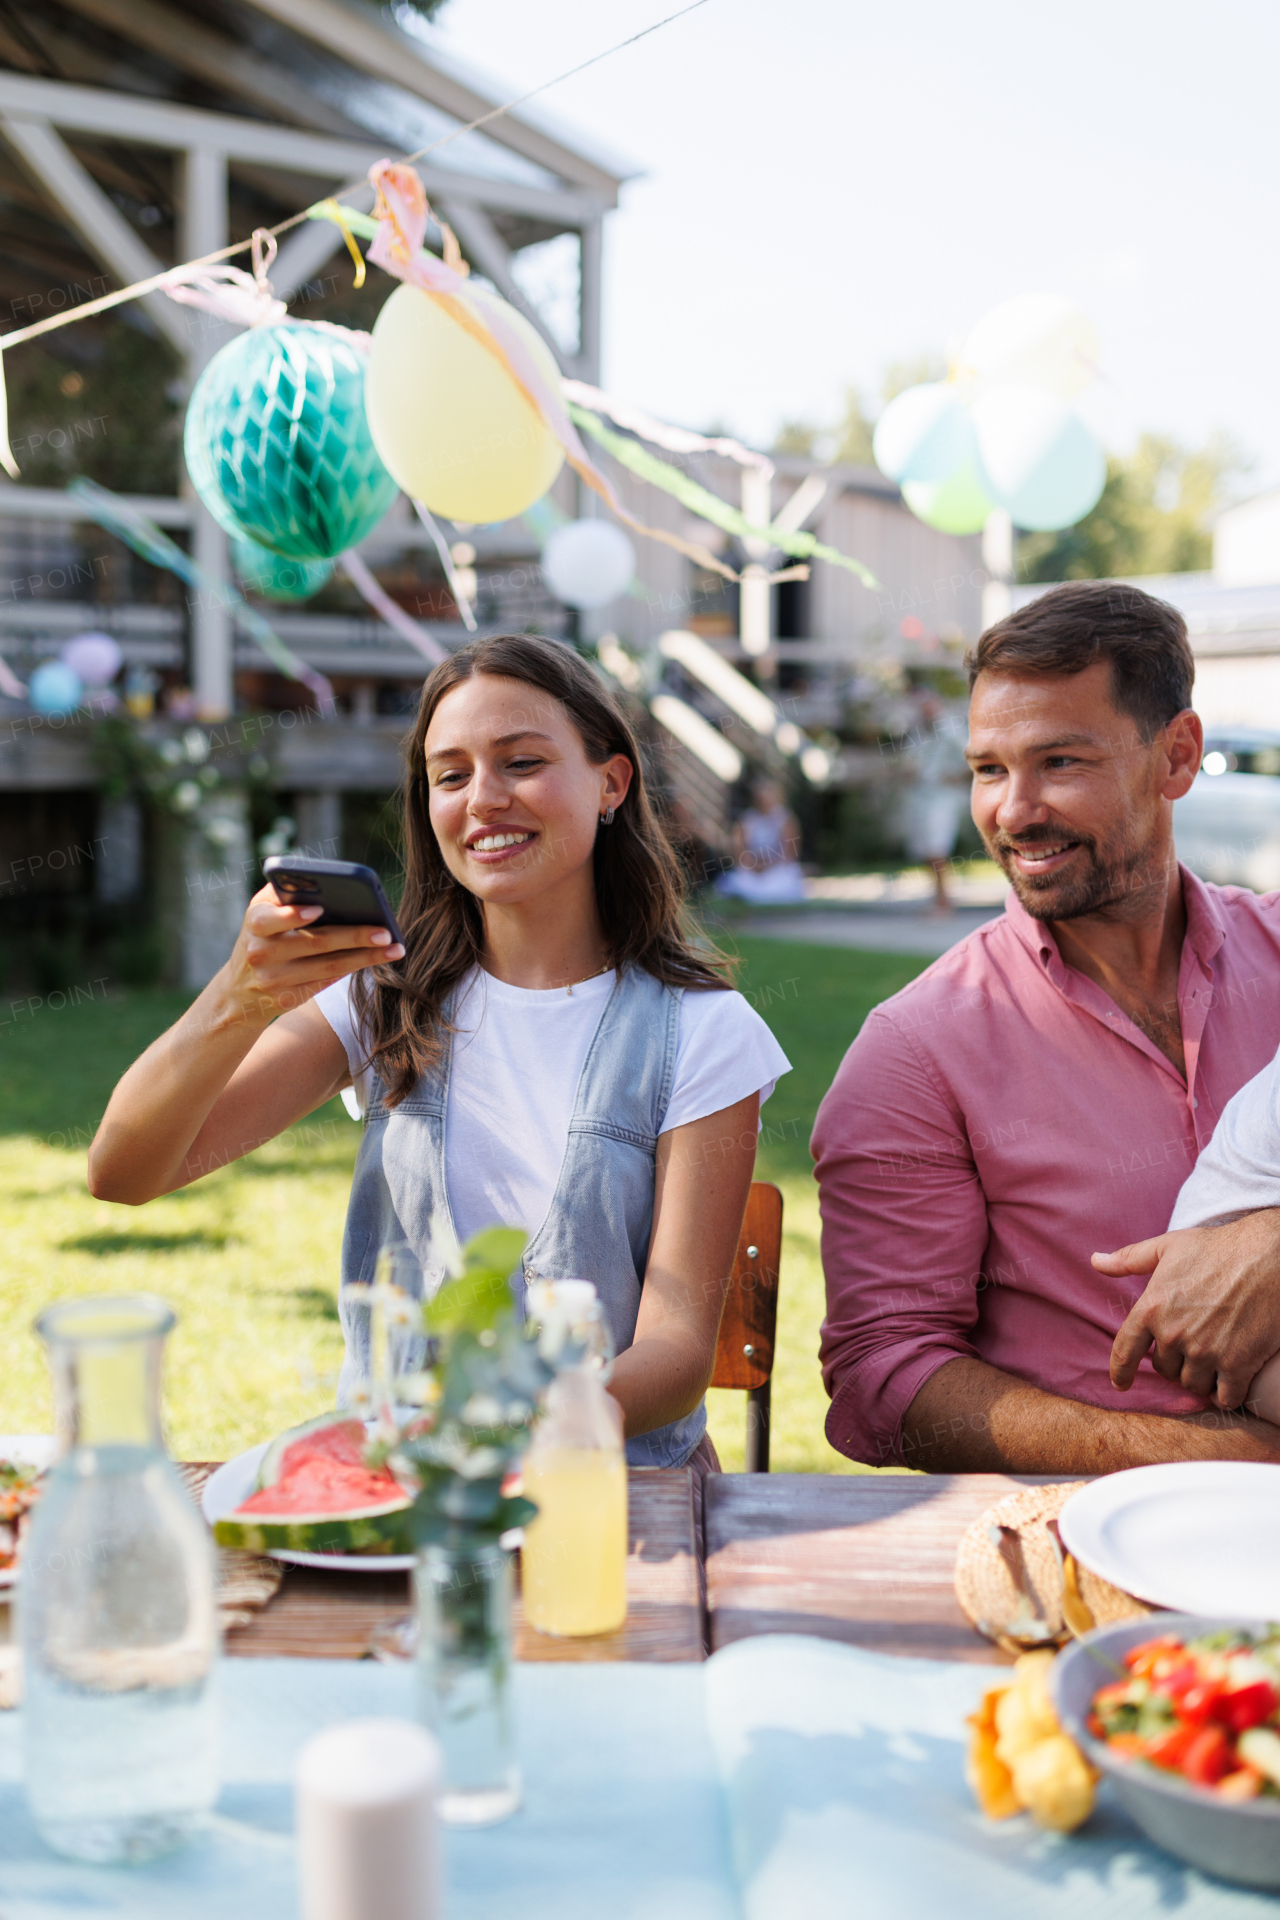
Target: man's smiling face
{"type": "Point", "coordinates": [1070, 800]}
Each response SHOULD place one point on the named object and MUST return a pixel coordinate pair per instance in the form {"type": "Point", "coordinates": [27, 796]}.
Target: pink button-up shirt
{"type": "Point", "coordinates": [994, 1124]}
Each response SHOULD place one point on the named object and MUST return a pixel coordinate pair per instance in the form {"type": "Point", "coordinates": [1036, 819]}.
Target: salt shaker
{"type": "Point", "coordinates": [368, 1839]}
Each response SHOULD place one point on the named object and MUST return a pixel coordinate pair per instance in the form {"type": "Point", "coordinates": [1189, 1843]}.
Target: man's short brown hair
{"type": "Point", "coordinates": [1065, 631]}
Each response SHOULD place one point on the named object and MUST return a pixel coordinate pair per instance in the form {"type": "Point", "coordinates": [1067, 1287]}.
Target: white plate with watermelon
{"type": "Point", "coordinates": [307, 1497]}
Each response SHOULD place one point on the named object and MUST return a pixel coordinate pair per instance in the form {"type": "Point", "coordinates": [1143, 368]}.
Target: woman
{"type": "Point", "coordinates": [546, 1051]}
{"type": "Point", "coordinates": [766, 842]}
{"type": "Point", "coordinates": [938, 801]}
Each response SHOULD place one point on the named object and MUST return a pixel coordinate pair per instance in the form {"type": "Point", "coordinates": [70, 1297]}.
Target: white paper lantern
{"type": "Point", "coordinates": [1041, 460]}
{"type": "Point", "coordinates": [1037, 340]}
{"type": "Point", "coordinates": [95, 658]}
{"type": "Point", "coordinates": [588, 563]}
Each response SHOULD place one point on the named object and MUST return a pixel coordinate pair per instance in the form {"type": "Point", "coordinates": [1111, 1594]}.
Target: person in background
{"type": "Point", "coordinates": [766, 844]}
{"type": "Point", "coordinates": [936, 803]}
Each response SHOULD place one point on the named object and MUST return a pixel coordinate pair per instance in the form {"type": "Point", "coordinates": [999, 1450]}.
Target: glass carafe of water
{"type": "Point", "coordinates": [116, 1603]}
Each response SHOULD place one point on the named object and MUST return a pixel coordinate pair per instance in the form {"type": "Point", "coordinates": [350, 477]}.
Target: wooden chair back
{"type": "Point", "coordinates": [748, 1325]}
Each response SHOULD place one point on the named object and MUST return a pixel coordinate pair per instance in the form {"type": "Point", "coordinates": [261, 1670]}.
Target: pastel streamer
{"type": "Point", "coordinates": [244, 299]}
{"type": "Point", "coordinates": [146, 539]}
{"type": "Point", "coordinates": [7, 460]}
{"type": "Point", "coordinates": [10, 685]}
{"type": "Point", "coordinates": [446, 561]}
{"type": "Point", "coordinates": [395, 616]}
{"type": "Point", "coordinates": [801, 546]}
{"type": "Point", "coordinates": [674, 439]}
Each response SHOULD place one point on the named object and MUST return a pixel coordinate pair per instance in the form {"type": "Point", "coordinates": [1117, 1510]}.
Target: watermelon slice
{"type": "Point", "coordinates": [316, 1495]}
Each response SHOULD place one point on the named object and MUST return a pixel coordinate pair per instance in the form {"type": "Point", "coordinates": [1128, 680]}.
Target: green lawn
{"type": "Point", "coordinates": [250, 1256]}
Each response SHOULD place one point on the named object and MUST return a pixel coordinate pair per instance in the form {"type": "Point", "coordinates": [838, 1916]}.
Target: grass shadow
{"type": "Point", "coordinates": [315, 1303]}
{"type": "Point", "coordinates": [104, 1243]}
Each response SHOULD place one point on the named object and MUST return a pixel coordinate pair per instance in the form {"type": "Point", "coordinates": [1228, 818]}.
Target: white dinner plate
{"type": "Point", "coordinates": [1198, 1536]}
{"type": "Point", "coordinates": [28, 1450]}
{"type": "Point", "coordinates": [235, 1480]}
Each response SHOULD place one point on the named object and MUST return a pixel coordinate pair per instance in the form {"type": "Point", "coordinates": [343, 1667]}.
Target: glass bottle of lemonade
{"type": "Point", "coordinates": [575, 1553]}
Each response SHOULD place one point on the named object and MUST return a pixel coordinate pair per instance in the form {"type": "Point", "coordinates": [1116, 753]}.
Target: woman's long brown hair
{"type": "Point", "coordinates": [639, 892]}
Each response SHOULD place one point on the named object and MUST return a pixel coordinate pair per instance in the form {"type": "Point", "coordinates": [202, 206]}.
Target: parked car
{"type": "Point", "coordinates": [1242, 750]}
{"type": "Point", "coordinates": [1227, 828]}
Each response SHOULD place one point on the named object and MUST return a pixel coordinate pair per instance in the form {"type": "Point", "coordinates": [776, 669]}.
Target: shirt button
{"type": "Point", "coordinates": [1195, 1103]}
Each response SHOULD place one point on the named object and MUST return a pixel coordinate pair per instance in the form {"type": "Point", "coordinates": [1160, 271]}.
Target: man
{"type": "Point", "coordinates": [1042, 1091]}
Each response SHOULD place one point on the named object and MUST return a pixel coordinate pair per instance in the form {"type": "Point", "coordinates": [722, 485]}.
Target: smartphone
{"type": "Point", "coordinates": [350, 894]}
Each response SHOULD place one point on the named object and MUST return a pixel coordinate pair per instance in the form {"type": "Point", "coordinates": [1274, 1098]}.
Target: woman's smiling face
{"type": "Point", "coordinates": [515, 803]}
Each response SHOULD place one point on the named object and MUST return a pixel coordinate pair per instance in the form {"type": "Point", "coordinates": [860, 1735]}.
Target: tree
{"type": "Point", "coordinates": [852, 437]}
{"type": "Point", "coordinates": [797, 437]}
{"type": "Point", "coordinates": [1154, 515]}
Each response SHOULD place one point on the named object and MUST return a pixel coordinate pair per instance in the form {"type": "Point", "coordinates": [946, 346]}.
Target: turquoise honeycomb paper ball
{"type": "Point", "coordinates": [274, 577]}
{"type": "Point", "coordinates": [278, 446]}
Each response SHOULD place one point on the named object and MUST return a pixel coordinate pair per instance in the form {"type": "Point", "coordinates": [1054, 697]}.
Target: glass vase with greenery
{"type": "Point", "coordinates": [466, 1421]}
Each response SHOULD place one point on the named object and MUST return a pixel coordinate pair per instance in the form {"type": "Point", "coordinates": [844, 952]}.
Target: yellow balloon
{"type": "Point", "coordinates": [452, 427]}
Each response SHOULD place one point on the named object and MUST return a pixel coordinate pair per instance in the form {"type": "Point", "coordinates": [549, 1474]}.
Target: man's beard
{"type": "Point", "coordinates": [1105, 878]}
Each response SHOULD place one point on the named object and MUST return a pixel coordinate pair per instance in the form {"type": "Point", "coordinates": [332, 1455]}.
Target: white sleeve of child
{"type": "Point", "coordinates": [1239, 1171]}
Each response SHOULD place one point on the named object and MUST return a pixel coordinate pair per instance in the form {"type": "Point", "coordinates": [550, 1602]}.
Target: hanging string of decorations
{"type": "Point", "coordinates": [298, 434]}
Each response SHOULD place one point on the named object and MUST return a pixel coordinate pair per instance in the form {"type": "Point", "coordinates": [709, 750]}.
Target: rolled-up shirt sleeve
{"type": "Point", "coordinates": [904, 1230]}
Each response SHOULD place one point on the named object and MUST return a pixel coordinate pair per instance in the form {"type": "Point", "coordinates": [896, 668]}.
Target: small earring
{"type": "Point", "coordinates": [606, 819]}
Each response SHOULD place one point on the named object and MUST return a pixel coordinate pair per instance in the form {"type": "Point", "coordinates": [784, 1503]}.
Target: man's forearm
{"type": "Point", "coordinates": [972, 1418]}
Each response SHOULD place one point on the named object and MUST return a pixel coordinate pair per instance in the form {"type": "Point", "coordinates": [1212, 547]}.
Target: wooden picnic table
{"type": "Point", "coordinates": [334, 1616]}
{"type": "Point", "coordinates": [868, 1559]}
{"type": "Point", "coordinates": [865, 1558]}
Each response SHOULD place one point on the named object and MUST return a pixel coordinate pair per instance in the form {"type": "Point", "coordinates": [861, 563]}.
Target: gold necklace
{"type": "Point", "coordinates": [607, 968]}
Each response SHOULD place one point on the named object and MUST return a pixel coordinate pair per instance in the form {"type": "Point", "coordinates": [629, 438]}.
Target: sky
{"type": "Point", "coordinates": [830, 186]}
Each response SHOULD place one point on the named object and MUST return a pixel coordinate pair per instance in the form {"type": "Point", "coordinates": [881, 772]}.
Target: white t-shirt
{"type": "Point", "coordinates": [517, 1058]}
{"type": "Point", "coordinates": [1239, 1171]}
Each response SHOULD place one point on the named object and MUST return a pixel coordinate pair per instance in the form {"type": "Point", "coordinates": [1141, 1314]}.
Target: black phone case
{"type": "Point", "coordinates": [350, 894]}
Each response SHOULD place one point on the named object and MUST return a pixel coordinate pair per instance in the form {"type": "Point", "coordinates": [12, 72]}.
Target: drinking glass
{"type": "Point", "coordinates": [116, 1603]}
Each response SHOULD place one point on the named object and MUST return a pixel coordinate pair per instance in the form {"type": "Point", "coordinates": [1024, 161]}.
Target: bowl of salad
{"type": "Point", "coordinates": [1182, 1713]}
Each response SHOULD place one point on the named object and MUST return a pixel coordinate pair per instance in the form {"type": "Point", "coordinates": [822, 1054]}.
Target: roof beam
{"type": "Point", "coordinates": [193, 48]}
{"type": "Point", "coordinates": [97, 220]}
{"type": "Point", "coordinates": [366, 43]}
{"type": "Point", "coordinates": [163, 123]}
{"type": "Point", "coordinates": [51, 503]}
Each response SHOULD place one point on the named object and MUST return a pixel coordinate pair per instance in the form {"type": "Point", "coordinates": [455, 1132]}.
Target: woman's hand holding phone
{"type": "Point", "coordinates": [231, 1074]}
{"type": "Point", "coordinates": [280, 961]}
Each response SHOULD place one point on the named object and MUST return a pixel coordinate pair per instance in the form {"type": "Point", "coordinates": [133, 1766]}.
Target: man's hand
{"type": "Point", "coordinates": [1211, 1308]}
